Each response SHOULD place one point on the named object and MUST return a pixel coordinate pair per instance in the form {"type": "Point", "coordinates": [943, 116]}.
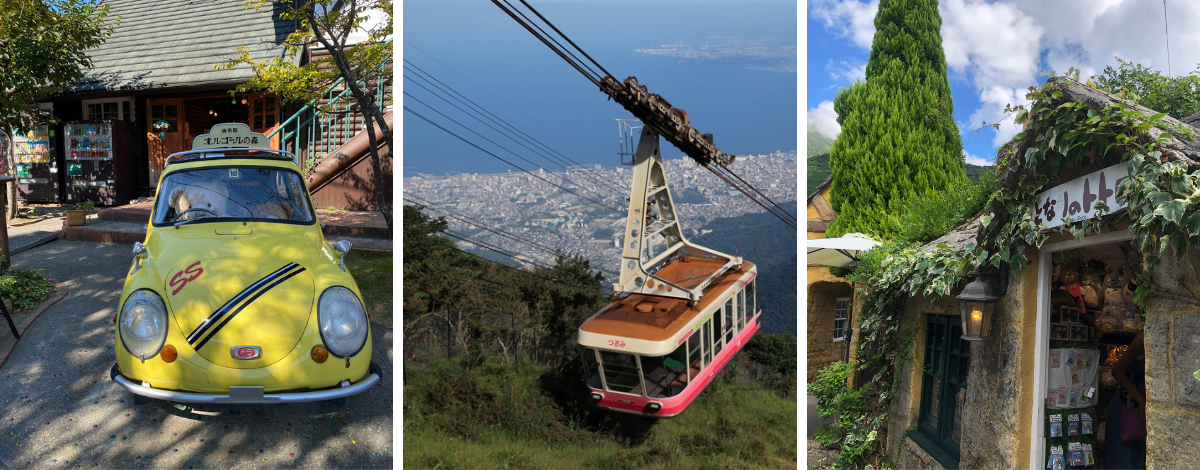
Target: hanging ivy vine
{"type": "Point", "coordinates": [1162, 206]}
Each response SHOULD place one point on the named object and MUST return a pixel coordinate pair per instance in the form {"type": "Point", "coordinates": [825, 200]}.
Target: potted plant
{"type": "Point", "coordinates": [78, 216]}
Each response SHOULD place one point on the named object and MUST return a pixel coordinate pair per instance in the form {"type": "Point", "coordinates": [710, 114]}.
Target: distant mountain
{"type": "Point", "coordinates": [818, 170]}
{"type": "Point", "coordinates": [817, 143]}
{"type": "Point", "coordinates": [973, 171]}
{"type": "Point", "coordinates": [771, 245]}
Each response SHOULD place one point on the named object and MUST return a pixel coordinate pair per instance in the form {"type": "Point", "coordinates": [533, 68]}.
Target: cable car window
{"type": "Point", "coordinates": [707, 342]}
{"type": "Point", "coordinates": [751, 300]}
{"type": "Point", "coordinates": [693, 345]}
{"type": "Point", "coordinates": [741, 311]}
{"type": "Point", "coordinates": [717, 336]}
{"type": "Point", "coordinates": [620, 372]}
{"type": "Point", "coordinates": [664, 376]}
{"type": "Point", "coordinates": [589, 367]}
{"type": "Point", "coordinates": [729, 319]}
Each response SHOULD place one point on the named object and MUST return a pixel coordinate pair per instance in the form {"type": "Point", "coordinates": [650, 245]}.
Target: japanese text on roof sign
{"type": "Point", "coordinates": [1076, 200]}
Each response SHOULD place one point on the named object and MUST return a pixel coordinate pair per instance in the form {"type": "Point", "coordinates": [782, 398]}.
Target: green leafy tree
{"type": "Point", "coordinates": [43, 51]}
{"type": "Point", "coordinates": [898, 135]}
{"type": "Point", "coordinates": [329, 24]}
{"type": "Point", "coordinates": [1176, 96]}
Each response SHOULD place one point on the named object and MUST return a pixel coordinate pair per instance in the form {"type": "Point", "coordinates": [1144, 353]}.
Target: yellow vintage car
{"type": "Point", "coordinates": [235, 296]}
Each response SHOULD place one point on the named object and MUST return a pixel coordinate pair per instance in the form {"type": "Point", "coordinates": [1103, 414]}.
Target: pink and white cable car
{"type": "Point", "coordinates": [681, 311]}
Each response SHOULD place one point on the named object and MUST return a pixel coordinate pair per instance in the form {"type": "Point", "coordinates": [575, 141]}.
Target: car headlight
{"type": "Point", "coordinates": [342, 321]}
{"type": "Point", "coordinates": [143, 324]}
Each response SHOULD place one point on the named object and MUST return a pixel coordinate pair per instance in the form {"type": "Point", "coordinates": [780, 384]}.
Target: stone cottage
{"type": "Point", "coordinates": [1043, 383]}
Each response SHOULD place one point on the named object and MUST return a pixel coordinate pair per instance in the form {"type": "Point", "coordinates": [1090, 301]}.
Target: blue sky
{"type": "Point", "coordinates": [996, 49]}
{"type": "Point", "coordinates": [477, 50]}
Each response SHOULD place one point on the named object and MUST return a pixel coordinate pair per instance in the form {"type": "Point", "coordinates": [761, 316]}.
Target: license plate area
{"type": "Point", "coordinates": [246, 393]}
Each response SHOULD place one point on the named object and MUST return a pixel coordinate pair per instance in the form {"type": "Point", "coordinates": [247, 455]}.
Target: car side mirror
{"type": "Point", "coordinates": [342, 247]}
{"type": "Point", "coordinates": [139, 253]}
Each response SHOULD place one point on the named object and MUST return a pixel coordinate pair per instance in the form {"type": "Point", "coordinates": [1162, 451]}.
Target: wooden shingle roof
{"type": "Point", "coordinates": [176, 43]}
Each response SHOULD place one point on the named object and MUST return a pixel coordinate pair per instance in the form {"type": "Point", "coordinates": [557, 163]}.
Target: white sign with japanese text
{"type": "Point", "coordinates": [1076, 199]}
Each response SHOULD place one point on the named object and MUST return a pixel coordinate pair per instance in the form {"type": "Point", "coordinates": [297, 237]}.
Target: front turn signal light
{"type": "Point", "coordinates": [168, 354]}
{"type": "Point", "coordinates": [319, 354]}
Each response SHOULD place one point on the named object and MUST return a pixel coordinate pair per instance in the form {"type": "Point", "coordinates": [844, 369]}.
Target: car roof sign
{"type": "Point", "coordinates": [230, 135]}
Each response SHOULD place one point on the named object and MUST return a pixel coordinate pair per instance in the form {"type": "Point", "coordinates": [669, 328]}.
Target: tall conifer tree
{"type": "Point", "coordinates": [898, 135]}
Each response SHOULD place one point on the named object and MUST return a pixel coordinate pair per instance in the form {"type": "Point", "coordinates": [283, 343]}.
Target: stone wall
{"type": "Point", "coordinates": [822, 295]}
{"type": "Point", "coordinates": [1172, 338]}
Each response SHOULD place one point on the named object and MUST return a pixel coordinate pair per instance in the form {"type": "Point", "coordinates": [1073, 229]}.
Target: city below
{"type": "Point", "coordinates": [589, 218]}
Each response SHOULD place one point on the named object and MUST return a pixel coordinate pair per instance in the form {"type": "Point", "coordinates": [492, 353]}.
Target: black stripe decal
{"type": "Point", "coordinates": [244, 305]}
{"type": "Point", "coordinates": [208, 322]}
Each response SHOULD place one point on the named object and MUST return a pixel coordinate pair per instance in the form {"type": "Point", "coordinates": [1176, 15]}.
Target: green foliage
{"type": "Point", "coordinates": [818, 170]}
{"type": "Point", "coordinates": [87, 205]}
{"type": "Point", "coordinates": [25, 287]}
{"type": "Point", "coordinates": [925, 217]}
{"type": "Point", "coordinates": [852, 430]}
{"type": "Point", "coordinates": [43, 51]}
{"type": "Point", "coordinates": [491, 415]}
{"type": "Point", "coordinates": [1176, 96]}
{"type": "Point", "coordinates": [372, 272]}
{"type": "Point", "coordinates": [776, 351]}
{"type": "Point", "coordinates": [817, 144]}
{"type": "Point", "coordinates": [296, 82]}
{"type": "Point", "coordinates": [898, 137]}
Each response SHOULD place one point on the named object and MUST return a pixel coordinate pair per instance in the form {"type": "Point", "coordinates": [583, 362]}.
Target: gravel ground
{"type": "Point", "coordinates": [820, 458]}
{"type": "Point", "coordinates": [61, 409]}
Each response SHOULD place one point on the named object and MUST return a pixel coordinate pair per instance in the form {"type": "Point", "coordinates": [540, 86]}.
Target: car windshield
{"type": "Point", "coordinates": [255, 193]}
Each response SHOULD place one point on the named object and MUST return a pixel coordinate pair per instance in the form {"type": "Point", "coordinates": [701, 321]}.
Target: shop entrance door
{"type": "Point", "coordinates": [1042, 359]}
{"type": "Point", "coordinates": [167, 114]}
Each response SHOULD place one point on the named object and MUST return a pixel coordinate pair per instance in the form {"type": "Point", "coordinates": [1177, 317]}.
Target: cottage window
{"type": "Point", "coordinates": [944, 387]}
{"type": "Point", "coordinates": [116, 109]}
{"type": "Point", "coordinates": [841, 310]}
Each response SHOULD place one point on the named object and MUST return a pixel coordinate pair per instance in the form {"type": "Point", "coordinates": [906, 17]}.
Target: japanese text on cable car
{"type": "Point", "coordinates": [1076, 200]}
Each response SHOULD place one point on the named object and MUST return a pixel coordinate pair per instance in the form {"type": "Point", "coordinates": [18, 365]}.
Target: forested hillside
{"type": "Point", "coordinates": [492, 376]}
{"type": "Point", "coordinates": [764, 240]}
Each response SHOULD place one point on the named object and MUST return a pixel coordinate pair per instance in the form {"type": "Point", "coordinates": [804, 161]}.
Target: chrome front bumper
{"type": "Point", "coordinates": [251, 395]}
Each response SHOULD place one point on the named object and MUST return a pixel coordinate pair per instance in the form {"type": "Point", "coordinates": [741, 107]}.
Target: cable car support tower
{"type": "Point", "coordinates": [657, 259]}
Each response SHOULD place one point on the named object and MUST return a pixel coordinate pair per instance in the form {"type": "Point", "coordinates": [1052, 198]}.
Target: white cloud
{"type": "Point", "coordinates": [974, 160]}
{"type": "Point", "coordinates": [847, 71]}
{"type": "Point", "coordinates": [823, 119]}
{"type": "Point", "coordinates": [998, 47]}
{"type": "Point", "coordinates": [847, 18]}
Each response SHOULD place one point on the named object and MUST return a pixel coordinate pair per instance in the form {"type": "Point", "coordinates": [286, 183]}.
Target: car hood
{"type": "Point", "coordinates": [222, 303]}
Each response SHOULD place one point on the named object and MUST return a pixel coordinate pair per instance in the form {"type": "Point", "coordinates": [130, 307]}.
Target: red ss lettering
{"type": "Point", "coordinates": [181, 280]}
{"type": "Point", "coordinates": [616, 343]}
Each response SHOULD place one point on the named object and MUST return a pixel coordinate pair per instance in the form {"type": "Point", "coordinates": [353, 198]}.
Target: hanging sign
{"type": "Point", "coordinates": [1076, 199]}
{"type": "Point", "coordinates": [234, 134]}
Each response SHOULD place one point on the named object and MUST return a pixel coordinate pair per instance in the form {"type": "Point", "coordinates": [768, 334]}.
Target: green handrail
{"type": "Point", "coordinates": [312, 131]}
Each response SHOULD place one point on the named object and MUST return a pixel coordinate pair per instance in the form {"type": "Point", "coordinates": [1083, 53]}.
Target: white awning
{"type": "Point", "coordinates": [839, 251]}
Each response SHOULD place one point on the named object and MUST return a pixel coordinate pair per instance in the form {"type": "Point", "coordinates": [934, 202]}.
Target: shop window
{"type": "Point", "coordinates": [117, 109]}
{"type": "Point", "coordinates": [944, 388]}
{"type": "Point", "coordinates": [841, 311]}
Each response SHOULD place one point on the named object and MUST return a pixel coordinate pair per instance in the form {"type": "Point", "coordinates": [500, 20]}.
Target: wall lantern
{"type": "Point", "coordinates": [978, 302]}
{"type": "Point", "coordinates": [161, 126]}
